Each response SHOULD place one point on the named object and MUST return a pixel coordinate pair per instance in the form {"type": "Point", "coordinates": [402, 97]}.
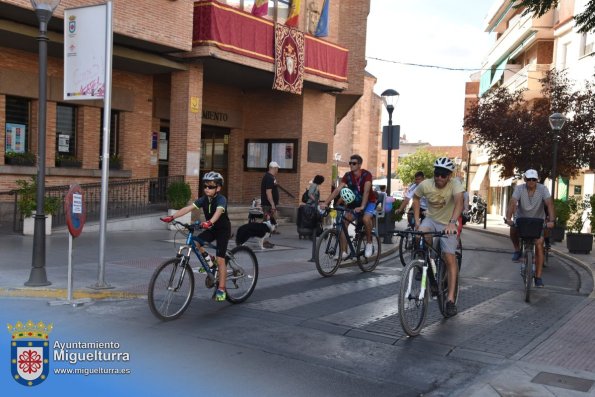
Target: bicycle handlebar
{"type": "Point", "coordinates": [420, 233]}
{"type": "Point", "coordinates": [190, 227]}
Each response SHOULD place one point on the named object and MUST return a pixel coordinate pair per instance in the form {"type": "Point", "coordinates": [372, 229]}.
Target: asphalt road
{"type": "Point", "coordinates": [304, 335]}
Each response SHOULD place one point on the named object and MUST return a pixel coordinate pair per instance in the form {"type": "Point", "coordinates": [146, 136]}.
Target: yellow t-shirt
{"type": "Point", "coordinates": [441, 202]}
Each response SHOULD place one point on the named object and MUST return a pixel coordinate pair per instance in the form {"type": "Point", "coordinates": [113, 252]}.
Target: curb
{"type": "Point", "coordinates": [63, 293]}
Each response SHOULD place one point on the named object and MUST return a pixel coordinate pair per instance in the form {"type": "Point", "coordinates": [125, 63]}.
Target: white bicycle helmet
{"type": "Point", "coordinates": [213, 176]}
{"type": "Point", "coordinates": [347, 195]}
{"type": "Point", "coordinates": [444, 162]}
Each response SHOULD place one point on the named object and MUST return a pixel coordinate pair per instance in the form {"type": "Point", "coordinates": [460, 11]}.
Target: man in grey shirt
{"type": "Point", "coordinates": [530, 201]}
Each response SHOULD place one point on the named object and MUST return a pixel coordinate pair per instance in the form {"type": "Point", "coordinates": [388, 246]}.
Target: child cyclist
{"type": "Point", "coordinates": [216, 225]}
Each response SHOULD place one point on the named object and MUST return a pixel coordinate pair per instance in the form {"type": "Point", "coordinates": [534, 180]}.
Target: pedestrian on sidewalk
{"type": "Point", "coordinates": [529, 200]}
{"type": "Point", "coordinates": [269, 197]}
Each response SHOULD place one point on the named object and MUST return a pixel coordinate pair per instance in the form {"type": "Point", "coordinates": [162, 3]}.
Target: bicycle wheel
{"type": "Point", "coordinates": [413, 298]}
{"type": "Point", "coordinates": [528, 277]}
{"type": "Point", "coordinates": [405, 248]}
{"type": "Point", "coordinates": [370, 263]}
{"type": "Point", "coordinates": [242, 274]}
{"type": "Point", "coordinates": [459, 253]}
{"type": "Point", "coordinates": [328, 253]}
{"type": "Point", "coordinates": [443, 286]}
{"type": "Point", "coordinates": [171, 289]}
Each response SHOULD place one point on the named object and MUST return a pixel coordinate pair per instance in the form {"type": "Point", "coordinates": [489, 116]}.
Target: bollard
{"type": "Point", "coordinates": [485, 219]}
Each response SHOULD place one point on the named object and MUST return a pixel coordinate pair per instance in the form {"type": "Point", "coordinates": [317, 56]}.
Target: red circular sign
{"type": "Point", "coordinates": [75, 210]}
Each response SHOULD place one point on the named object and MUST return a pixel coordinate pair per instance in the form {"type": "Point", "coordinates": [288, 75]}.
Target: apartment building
{"type": "Point", "coordinates": [191, 92]}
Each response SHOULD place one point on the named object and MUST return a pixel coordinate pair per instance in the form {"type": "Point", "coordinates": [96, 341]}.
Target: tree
{"type": "Point", "coordinates": [585, 20]}
{"type": "Point", "coordinates": [421, 160]}
{"type": "Point", "coordinates": [517, 134]}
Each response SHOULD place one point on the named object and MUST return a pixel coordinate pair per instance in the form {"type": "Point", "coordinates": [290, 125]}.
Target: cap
{"type": "Point", "coordinates": [273, 164]}
{"type": "Point", "coordinates": [531, 174]}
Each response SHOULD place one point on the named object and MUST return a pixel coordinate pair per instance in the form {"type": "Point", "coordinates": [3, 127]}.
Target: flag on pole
{"type": "Point", "coordinates": [260, 8]}
{"type": "Point", "coordinates": [294, 14]}
{"type": "Point", "coordinates": [322, 28]}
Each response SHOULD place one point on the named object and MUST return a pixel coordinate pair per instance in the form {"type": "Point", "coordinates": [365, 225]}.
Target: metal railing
{"type": "Point", "coordinates": [125, 198]}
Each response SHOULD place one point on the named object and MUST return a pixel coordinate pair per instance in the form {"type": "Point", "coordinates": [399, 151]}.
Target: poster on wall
{"type": "Point", "coordinates": [63, 143]}
{"type": "Point", "coordinates": [15, 138]}
{"type": "Point", "coordinates": [162, 146]}
{"type": "Point", "coordinates": [84, 52]}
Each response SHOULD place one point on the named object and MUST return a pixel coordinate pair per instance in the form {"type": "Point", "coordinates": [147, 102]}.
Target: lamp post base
{"type": "Point", "coordinates": [37, 278]}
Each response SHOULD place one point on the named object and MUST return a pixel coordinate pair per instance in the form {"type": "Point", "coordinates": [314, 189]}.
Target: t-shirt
{"type": "Point", "coordinates": [531, 207]}
{"type": "Point", "coordinates": [423, 203]}
{"type": "Point", "coordinates": [313, 191]}
{"type": "Point", "coordinates": [209, 206]}
{"type": "Point", "coordinates": [441, 202]}
{"type": "Point", "coordinates": [357, 185]}
{"type": "Point", "coordinates": [269, 182]}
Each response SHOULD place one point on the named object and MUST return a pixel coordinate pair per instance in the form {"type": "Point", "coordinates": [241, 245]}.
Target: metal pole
{"type": "Point", "coordinates": [554, 170]}
{"type": "Point", "coordinates": [468, 169]}
{"type": "Point", "coordinates": [107, 103]}
{"type": "Point", "coordinates": [390, 149]}
{"type": "Point", "coordinates": [38, 277]}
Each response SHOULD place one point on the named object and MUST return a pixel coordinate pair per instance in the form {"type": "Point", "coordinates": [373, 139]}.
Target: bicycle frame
{"type": "Point", "coordinates": [344, 229]}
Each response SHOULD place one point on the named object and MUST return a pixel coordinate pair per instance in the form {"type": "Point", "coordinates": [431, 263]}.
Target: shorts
{"type": "Point", "coordinates": [448, 243]}
{"type": "Point", "coordinates": [221, 236]}
{"type": "Point", "coordinates": [370, 209]}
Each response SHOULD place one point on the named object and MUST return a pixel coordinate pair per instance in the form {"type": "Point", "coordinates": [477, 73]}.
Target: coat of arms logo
{"type": "Point", "coordinates": [29, 352]}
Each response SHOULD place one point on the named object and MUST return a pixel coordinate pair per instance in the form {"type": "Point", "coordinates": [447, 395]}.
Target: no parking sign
{"type": "Point", "coordinates": [74, 208]}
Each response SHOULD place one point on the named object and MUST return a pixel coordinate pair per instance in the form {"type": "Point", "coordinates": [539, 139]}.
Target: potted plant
{"type": "Point", "coordinates": [576, 241]}
{"type": "Point", "coordinates": [562, 210]}
{"type": "Point", "coordinates": [14, 158]}
{"type": "Point", "coordinates": [68, 160]}
{"type": "Point", "coordinates": [27, 206]}
{"type": "Point", "coordinates": [178, 194]}
{"type": "Point", "coordinates": [592, 214]}
{"type": "Point", "coordinates": [115, 162]}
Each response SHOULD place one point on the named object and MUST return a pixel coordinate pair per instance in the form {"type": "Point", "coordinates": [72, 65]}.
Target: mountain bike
{"type": "Point", "coordinates": [407, 244]}
{"type": "Point", "coordinates": [424, 276]}
{"type": "Point", "coordinates": [172, 284]}
{"type": "Point", "coordinates": [529, 229]}
{"type": "Point", "coordinates": [328, 255]}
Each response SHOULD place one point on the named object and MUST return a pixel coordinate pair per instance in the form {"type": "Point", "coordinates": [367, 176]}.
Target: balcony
{"type": "Point", "coordinates": [525, 78]}
{"type": "Point", "coordinates": [224, 33]}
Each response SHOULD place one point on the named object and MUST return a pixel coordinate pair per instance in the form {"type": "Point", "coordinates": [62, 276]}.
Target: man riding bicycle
{"type": "Point", "coordinates": [359, 182]}
{"type": "Point", "coordinates": [445, 204]}
{"type": "Point", "coordinates": [419, 178]}
{"type": "Point", "coordinates": [216, 225]}
{"type": "Point", "coordinates": [529, 201]}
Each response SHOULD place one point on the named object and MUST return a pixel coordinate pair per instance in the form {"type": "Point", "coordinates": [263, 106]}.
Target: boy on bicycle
{"type": "Point", "coordinates": [445, 204]}
{"type": "Point", "coordinates": [216, 225]}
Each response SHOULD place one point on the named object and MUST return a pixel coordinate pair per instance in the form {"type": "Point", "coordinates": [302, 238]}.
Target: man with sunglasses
{"type": "Point", "coordinates": [216, 225]}
{"type": "Point", "coordinates": [445, 204]}
{"type": "Point", "coordinates": [359, 181]}
{"type": "Point", "coordinates": [529, 200]}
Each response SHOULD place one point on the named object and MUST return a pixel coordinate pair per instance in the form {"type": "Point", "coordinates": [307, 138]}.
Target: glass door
{"type": "Point", "coordinates": [214, 141]}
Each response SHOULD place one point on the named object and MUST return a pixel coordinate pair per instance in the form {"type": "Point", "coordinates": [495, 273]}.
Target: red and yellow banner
{"type": "Point", "coordinates": [289, 59]}
{"type": "Point", "coordinates": [294, 14]}
{"type": "Point", "coordinates": [260, 8]}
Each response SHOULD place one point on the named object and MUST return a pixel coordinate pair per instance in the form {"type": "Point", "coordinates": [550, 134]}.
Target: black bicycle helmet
{"type": "Point", "coordinates": [213, 176]}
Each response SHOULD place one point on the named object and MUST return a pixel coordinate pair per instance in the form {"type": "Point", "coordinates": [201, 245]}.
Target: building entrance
{"type": "Point", "coordinates": [214, 142]}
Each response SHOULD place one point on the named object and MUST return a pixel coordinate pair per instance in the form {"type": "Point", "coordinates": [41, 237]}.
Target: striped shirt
{"type": "Point", "coordinates": [531, 206]}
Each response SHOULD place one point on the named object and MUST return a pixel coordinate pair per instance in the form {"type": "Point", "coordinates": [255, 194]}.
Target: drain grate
{"type": "Point", "coordinates": [563, 381]}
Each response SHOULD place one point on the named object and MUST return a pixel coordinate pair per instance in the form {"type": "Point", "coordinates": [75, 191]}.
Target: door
{"type": "Point", "coordinates": [214, 141]}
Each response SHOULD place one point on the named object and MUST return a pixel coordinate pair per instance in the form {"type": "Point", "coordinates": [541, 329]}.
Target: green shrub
{"type": "Point", "coordinates": [562, 210]}
{"type": "Point", "coordinates": [396, 217]}
{"type": "Point", "coordinates": [592, 216]}
{"type": "Point", "coordinates": [14, 158]}
{"type": "Point", "coordinates": [27, 204]}
{"type": "Point", "coordinates": [578, 206]}
{"type": "Point", "coordinates": [178, 194]}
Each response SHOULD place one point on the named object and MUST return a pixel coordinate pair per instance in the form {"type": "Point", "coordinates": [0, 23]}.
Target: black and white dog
{"type": "Point", "coordinates": [254, 229]}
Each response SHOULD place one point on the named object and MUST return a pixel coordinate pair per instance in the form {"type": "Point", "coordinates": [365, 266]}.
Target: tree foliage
{"type": "Point", "coordinates": [517, 134]}
{"type": "Point", "coordinates": [584, 20]}
{"type": "Point", "coordinates": [421, 160]}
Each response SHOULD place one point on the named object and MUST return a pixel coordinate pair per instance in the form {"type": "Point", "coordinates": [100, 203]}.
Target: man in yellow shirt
{"type": "Point", "coordinates": [444, 195]}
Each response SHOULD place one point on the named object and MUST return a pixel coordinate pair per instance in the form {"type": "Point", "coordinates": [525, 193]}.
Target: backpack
{"type": "Point", "coordinates": [305, 196]}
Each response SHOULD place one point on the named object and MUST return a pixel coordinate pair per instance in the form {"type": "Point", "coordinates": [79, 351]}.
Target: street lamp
{"type": "Point", "coordinates": [557, 121]}
{"type": "Point", "coordinates": [390, 98]}
{"type": "Point", "coordinates": [37, 278]}
{"type": "Point", "coordinates": [470, 147]}
{"type": "Point", "coordinates": [458, 162]}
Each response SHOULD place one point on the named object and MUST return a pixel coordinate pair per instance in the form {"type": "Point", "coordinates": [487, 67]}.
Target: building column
{"type": "Point", "coordinates": [185, 124]}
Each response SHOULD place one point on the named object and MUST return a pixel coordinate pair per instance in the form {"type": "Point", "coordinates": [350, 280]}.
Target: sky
{"type": "Point", "coordinates": [446, 33]}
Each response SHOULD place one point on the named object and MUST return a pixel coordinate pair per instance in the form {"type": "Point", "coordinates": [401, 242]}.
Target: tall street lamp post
{"type": "Point", "coordinates": [557, 121]}
{"type": "Point", "coordinates": [470, 147]}
{"type": "Point", "coordinates": [390, 98]}
{"type": "Point", "coordinates": [37, 278]}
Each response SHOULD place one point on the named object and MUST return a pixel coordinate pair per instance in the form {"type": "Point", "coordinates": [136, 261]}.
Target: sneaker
{"type": "Point", "coordinates": [538, 282]}
{"type": "Point", "coordinates": [516, 256]}
{"type": "Point", "coordinates": [451, 309]}
{"type": "Point", "coordinates": [268, 244]}
{"type": "Point", "coordinates": [369, 250]}
{"type": "Point", "coordinates": [220, 295]}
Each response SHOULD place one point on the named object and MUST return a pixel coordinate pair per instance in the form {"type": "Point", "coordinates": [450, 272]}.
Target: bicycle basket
{"type": "Point", "coordinates": [529, 228]}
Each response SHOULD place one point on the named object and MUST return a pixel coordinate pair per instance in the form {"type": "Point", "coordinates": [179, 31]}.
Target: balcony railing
{"type": "Point", "coordinates": [526, 78]}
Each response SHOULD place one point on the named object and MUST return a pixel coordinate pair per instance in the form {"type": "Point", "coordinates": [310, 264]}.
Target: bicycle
{"type": "Point", "coordinates": [172, 284]}
{"type": "Point", "coordinates": [406, 242]}
{"type": "Point", "coordinates": [328, 255]}
{"type": "Point", "coordinates": [423, 277]}
{"type": "Point", "coordinates": [529, 229]}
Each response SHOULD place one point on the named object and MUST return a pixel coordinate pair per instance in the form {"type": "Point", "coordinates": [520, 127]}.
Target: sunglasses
{"type": "Point", "coordinates": [210, 187]}
{"type": "Point", "coordinates": [531, 180]}
{"type": "Point", "coordinates": [353, 163]}
{"type": "Point", "coordinates": [441, 174]}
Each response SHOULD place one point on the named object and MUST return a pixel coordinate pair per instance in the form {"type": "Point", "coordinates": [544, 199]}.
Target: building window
{"type": "Point", "coordinates": [578, 190]}
{"type": "Point", "coordinates": [114, 136]}
{"type": "Point", "coordinates": [18, 111]}
{"type": "Point", "coordinates": [587, 44]}
{"type": "Point", "coordinates": [260, 152]}
{"type": "Point", "coordinates": [278, 9]}
{"type": "Point", "coordinates": [66, 131]}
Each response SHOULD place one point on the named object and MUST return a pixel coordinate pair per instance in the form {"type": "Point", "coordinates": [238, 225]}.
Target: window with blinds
{"type": "Point", "coordinates": [66, 130]}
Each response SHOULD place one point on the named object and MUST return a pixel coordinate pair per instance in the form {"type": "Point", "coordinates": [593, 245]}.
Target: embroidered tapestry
{"type": "Point", "coordinates": [289, 59]}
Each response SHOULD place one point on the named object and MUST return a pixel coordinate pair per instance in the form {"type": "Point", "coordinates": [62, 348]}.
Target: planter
{"type": "Point", "coordinates": [184, 219]}
{"type": "Point", "coordinates": [557, 233]}
{"type": "Point", "coordinates": [19, 161]}
{"type": "Point", "coordinates": [579, 243]}
{"type": "Point", "coordinates": [69, 163]}
{"type": "Point", "coordinates": [29, 225]}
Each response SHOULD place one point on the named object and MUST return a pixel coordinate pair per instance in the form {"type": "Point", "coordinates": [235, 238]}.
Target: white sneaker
{"type": "Point", "coordinates": [369, 250]}
{"type": "Point", "coordinates": [344, 255]}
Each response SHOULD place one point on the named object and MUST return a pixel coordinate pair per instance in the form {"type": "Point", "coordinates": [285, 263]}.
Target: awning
{"type": "Point", "coordinates": [478, 177]}
{"type": "Point", "coordinates": [506, 182]}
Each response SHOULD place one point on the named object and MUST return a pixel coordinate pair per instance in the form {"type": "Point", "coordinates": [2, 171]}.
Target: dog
{"type": "Point", "coordinates": [255, 229]}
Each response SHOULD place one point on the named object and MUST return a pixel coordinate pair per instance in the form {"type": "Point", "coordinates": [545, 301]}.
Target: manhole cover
{"type": "Point", "coordinates": [564, 381]}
